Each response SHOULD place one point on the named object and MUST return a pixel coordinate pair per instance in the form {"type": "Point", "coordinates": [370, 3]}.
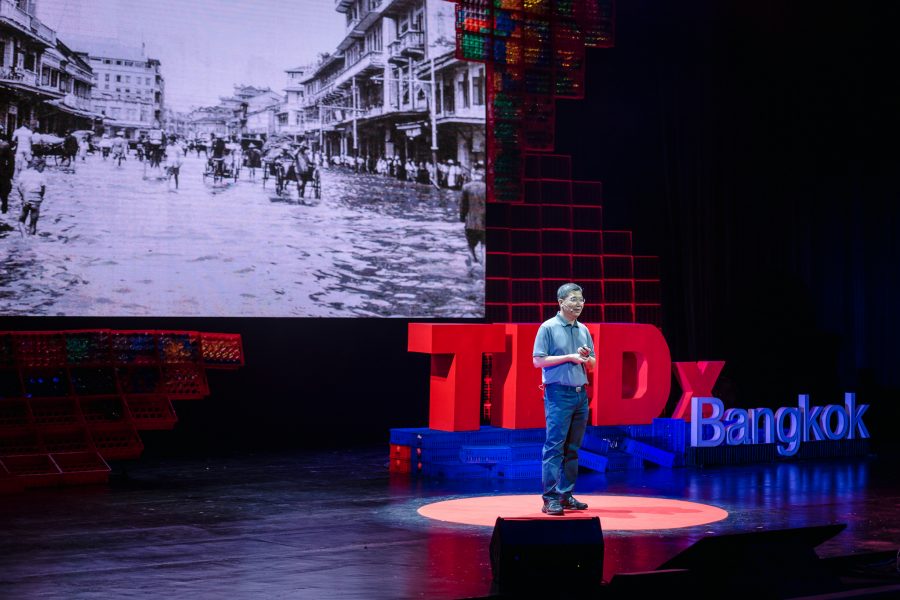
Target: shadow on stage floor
{"type": "Point", "coordinates": [336, 524]}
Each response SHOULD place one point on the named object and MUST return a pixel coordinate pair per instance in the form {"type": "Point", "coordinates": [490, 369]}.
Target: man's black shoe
{"type": "Point", "coordinates": [572, 504]}
{"type": "Point", "coordinates": [552, 507]}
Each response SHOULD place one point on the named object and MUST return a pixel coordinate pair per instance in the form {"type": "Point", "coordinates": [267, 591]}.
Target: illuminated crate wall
{"type": "Point", "coordinates": [72, 400]}
{"type": "Point", "coordinates": [544, 228]}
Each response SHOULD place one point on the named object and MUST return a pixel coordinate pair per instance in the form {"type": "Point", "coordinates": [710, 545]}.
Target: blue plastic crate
{"type": "Point", "coordinates": [639, 432]}
{"type": "Point", "coordinates": [527, 451]}
{"type": "Point", "coordinates": [456, 470]}
{"type": "Point", "coordinates": [592, 461]}
{"type": "Point", "coordinates": [523, 469]}
{"type": "Point", "coordinates": [485, 454]}
{"type": "Point", "coordinates": [525, 436]}
{"type": "Point", "coordinates": [671, 434]}
{"type": "Point", "coordinates": [486, 436]}
{"type": "Point", "coordinates": [408, 436]}
{"type": "Point", "coordinates": [429, 455]}
{"type": "Point", "coordinates": [595, 444]}
{"type": "Point", "coordinates": [648, 452]}
{"type": "Point", "coordinates": [620, 461]}
{"type": "Point", "coordinates": [744, 454]}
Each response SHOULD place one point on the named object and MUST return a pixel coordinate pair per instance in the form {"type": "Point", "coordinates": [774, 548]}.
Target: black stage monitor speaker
{"type": "Point", "coordinates": [765, 564]}
{"type": "Point", "coordinates": [563, 554]}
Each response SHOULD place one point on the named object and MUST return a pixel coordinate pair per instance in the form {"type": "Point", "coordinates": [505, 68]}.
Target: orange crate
{"type": "Point", "coordinates": [179, 347]}
{"type": "Point", "coordinates": [221, 350]}
{"type": "Point", "coordinates": [33, 470]}
{"type": "Point", "coordinates": [115, 442]}
{"type": "Point", "coordinates": [80, 468]}
{"type": "Point", "coordinates": [151, 412]}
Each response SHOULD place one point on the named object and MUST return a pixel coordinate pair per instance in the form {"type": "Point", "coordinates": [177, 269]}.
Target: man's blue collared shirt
{"type": "Point", "coordinates": [558, 337]}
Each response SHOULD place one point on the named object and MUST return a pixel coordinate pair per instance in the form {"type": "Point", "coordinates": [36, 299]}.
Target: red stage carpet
{"type": "Point", "coordinates": [617, 513]}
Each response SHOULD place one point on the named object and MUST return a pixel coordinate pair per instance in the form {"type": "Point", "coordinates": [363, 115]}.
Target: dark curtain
{"type": "Point", "coordinates": [753, 147]}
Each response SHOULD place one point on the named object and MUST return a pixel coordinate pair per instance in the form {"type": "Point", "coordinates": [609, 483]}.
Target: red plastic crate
{"type": "Point", "coordinates": [87, 346]}
{"type": "Point", "coordinates": [399, 465]}
{"type": "Point", "coordinates": [401, 452]}
{"type": "Point", "coordinates": [55, 412]}
{"type": "Point", "coordinates": [497, 264]}
{"type": "Point", "coordinates": [20, 441]}
{"type": "Point", "coordinates": [184, 382]}
{"type": "Point", "coordinates": [115, 442]}
{"type": "Point", "coordinates": [221, 350]}
{"type": "Point", "coordinates": [45, 382]}
{"type": "Point", "coordinates": [618, 292]}
{"type": "Point", "coordinates": [7, 354]}
{"type": "Point", "coordinates": [39, 349]}
{"type": "Point", "coordinates": [33, 470]}
{"type": "Point", "coordinates": [134, 347]}
{"type": "Point", "coordinates": [496, 313]}
{"type": "Point", "coordinates": [556, 192]}
{"type": "Point", "coordinates": [14, 413]}
{"type": "Point", "coordinates": [618, 313]}
{"type": "Point", "coordinates": [73, 439]}
{"type": "Point", "coordinates": [151, 412]}
{"type": "Point", "coordinates": [556, 241]}
{"type": "Point", "coordinates": [526, 313]}
{"type": "Point", "coordinates": [618, 267]}
{"type": "Point", "coordinates": [556, 217]}
{"type": "Point", "coordinates": [103, 409]}
{"type": "Point", "coordinates": [80, 468]}
{"type": "Point", "coordinates": [8, 483]}
{"type": "Point", "coordinates": [496, 289]}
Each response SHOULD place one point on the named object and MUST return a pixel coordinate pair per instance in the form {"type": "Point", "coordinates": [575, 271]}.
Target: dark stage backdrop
{"type": "Point", "coordinates": [751, 145]}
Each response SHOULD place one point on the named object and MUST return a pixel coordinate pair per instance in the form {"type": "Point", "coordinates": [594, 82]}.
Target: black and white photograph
{"type": "Point", "coordinates": [252, 159]}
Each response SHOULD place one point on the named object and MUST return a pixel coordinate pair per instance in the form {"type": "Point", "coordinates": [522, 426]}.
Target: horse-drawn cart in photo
{"type": "Point", "coordinates": [47, 145]}
{"type": "Point", "coordinates": [281, 164]}
{"type": "Point", "coordinates": [227, 166]}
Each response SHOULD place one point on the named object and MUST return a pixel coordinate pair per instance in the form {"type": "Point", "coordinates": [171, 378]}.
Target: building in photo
{"type": "Point", "coordinates": [393, 87]}
{"type": "Point", "coordinates": [129, 88]}
{"type": "Point", "coordinates": [24, 40]}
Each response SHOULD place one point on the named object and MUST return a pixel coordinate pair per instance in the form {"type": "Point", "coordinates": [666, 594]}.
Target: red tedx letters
{"type": "Point", "coordinates": [630, 384]}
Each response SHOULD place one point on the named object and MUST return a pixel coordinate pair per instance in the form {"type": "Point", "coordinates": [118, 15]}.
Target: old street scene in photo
{"type": "Point", "coordinates": [273, 159]}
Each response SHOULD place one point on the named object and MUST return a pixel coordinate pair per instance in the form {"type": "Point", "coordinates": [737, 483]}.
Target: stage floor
{"type": "Point", "coordinates": [336, 524]}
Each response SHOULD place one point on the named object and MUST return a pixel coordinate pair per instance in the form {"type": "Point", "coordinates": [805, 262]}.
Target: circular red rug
{"type": "Point", "coordinates": [617, 513]}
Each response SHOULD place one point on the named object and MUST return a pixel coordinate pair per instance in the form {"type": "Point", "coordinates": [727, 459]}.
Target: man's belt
{"type": "Point", "coordinates": [576, 388]}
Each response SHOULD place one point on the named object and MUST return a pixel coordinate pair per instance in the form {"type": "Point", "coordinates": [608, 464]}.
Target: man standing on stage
{"type": "Point", "coordinates": [563, 349]}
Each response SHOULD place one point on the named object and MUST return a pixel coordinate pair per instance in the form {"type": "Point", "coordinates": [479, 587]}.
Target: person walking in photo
{"type": "Point", "coordinates": [472, 212]}
{"type": "Point", "coordinates": [22, 138]}
{"type": "Point", "coordinates": [7, 170]}
{"type": "Point", "coordinates": [174, 160]}
{"type": "Point", "coordinates": [31, 185]}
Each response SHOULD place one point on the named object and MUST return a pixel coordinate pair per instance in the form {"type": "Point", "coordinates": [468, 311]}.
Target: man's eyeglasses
{"type": "Point", "coordinates": [575, 300]}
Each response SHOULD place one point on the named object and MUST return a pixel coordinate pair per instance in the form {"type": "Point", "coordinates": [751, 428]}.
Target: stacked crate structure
{"type": "Point", "coordinates": [70, 401]}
